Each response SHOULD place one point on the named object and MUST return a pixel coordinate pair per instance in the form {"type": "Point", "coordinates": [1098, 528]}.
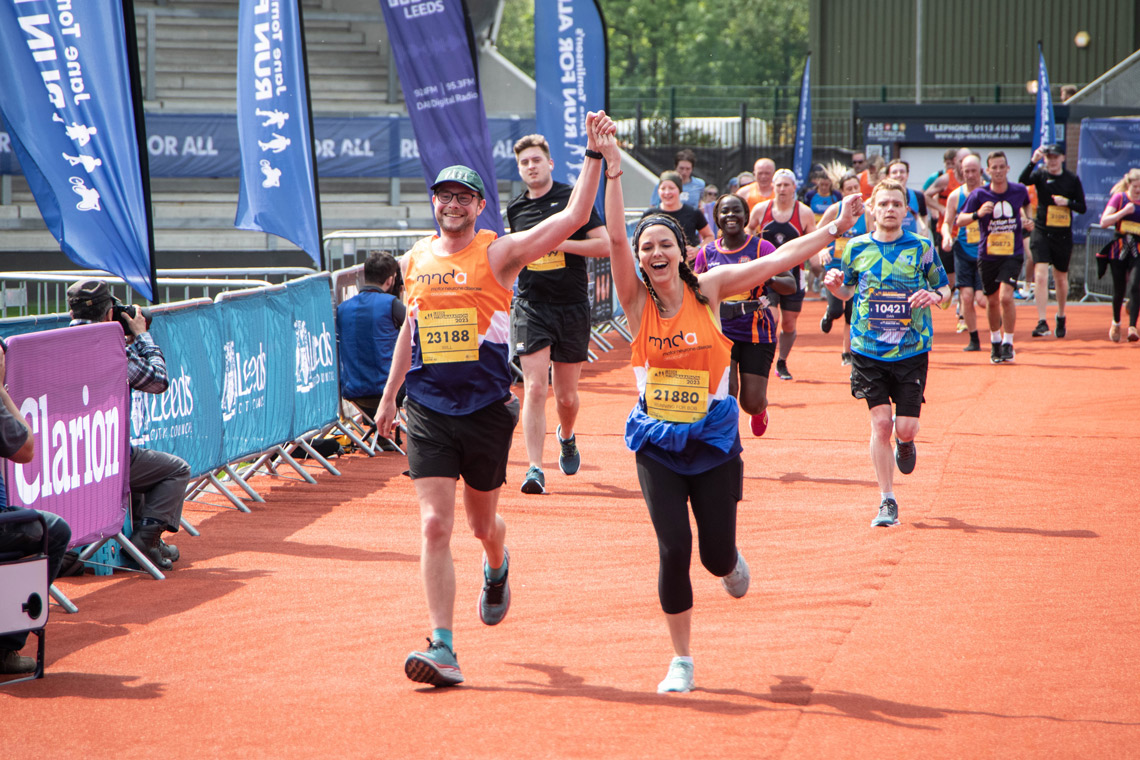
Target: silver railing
{"type": "Point", "coordinates": [24, 293]}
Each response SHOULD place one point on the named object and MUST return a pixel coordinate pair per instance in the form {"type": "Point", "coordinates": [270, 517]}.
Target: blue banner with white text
{"type": "Point", "coordinates": [1108, 148]}
{"type": "Point", "coordinates": [66, 100]}
{"type": "Point", "coordinates": [185, 419]}
{"type": "Point", "coordinates": [192, 145]}
{"type": "Point", "coordinates": [570, 65]}
{"type": "Point", "coordinates": [257, 367]}
{"type": "Point", "coordinates": [278, 179]}
{"type": "Point", "coordinates": [434, 52]}
{"type": "Point", "coordinates": [315, 402]}
{"type": "Point", "coordinates": [801, 160]}
{"type": "Point", "coordinates": [1044, 124]}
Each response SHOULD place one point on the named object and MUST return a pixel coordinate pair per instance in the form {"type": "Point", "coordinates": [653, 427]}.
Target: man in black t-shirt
{"type": "Point", "coordinates": [1059, 196]}
{"type": "Point", "coordinates": [550, 316]}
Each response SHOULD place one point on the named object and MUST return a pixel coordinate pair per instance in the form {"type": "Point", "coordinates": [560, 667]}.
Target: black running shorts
{"type": "Point", "coordinates": [1054, 249]}
{"type": "Point", "coordinates": [996, 272]}
{"type": "Point", "coordinates": [793, 302]}
{"type": "Point", "coordinates": [753, 358]}
{"type": "Point", "coordinates": [880, 382]}
{"type": "Point", "coordinates": [472, 446]}
{"type": "Point", "coordinates": [565, 327]}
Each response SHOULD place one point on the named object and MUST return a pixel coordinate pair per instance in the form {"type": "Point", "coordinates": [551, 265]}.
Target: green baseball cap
{"type": "Point", "coordinates": [461, 174]}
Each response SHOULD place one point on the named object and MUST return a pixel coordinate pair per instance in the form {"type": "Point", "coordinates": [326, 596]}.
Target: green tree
{"type": "Point", "coordinates": [706, 43]}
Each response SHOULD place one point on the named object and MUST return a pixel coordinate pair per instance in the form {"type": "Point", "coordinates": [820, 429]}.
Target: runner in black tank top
{"type": "Point", "coordinates": [797, 222]}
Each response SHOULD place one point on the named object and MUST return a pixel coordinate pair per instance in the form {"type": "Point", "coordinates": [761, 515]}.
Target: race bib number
{"type": "Point", "coordinates": [1000, 244]}
{"type": "Point", "coordinates": [840, 247]}
{"type": "Point", "coordinates": [888, 310]}
{"type": "Point", "coordinates": [677, 395]}
{"type": "Point", "coordinates": [1130, 228]}
{"type": "Point", "coordinates": [973, 233]}
{"type": "Point", "coordinates": [1058, 216]}
{"type": "Point", "coordinates": [449, 335]}
{"type": "Point", "coordinates": [552, 260]}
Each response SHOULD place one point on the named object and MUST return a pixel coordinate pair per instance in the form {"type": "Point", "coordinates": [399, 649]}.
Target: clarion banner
{"type": "Point", "coordinates": [70, 385]}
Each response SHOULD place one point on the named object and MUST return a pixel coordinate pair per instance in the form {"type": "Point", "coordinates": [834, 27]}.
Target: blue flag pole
{"type": "Point", "coordinates": [278, 192]}
{"type": "Point", "coordinates": [801, 163]}
{"type": "Point", "coordinates": [571, 74]}
{"type": "Point", "coordinates": [140, 136]}
{"type": "Point", "coordinates": [312, 141]}
{"type": "Point", "coordinates": [434, 49]}
{"type": "Point", "coordinates": [72, 104]}
{"type": "Point", "coordinates": [1044, 124]}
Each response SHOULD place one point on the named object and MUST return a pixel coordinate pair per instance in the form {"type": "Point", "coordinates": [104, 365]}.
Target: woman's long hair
{"type": "Point", "coordinates": [1133, 175]}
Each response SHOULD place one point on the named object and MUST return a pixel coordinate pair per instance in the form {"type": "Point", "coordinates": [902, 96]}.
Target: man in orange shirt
{"type": "Point", "coordinates": [762, 189]}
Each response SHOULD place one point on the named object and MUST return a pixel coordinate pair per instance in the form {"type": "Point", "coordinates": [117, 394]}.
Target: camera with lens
{"type": "Point", "coordinates": [118, 309]}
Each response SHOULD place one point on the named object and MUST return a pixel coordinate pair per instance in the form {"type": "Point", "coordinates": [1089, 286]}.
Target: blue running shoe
{"type": "Point", "coordinates": [888, 514]}
{"type": "Point", "coordinates": [906, 455]}
{"type": "Point", "coordinates": [569, 459]}
{"type": "Point", "coordinates": [495, 599]}
{"type": "Point", "coordinates": [534, 482]}
{"type": "Point", "coordinates": [437, 666]}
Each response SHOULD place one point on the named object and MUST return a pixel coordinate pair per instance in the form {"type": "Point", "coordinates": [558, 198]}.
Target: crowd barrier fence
{"type": "Point", "coordinates": [252, 374]}
{"type": "Point", "coordinates": [1096, 288]}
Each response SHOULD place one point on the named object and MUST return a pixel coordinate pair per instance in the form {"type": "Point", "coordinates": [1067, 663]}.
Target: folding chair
{"type": "Point", "coordinates": [24, 589]}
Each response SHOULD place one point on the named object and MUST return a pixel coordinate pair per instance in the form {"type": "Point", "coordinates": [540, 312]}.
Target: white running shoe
{"type": "Point", "coordinates": [736, 582]}
{"type": "Point", "coordinates": [679, 679]}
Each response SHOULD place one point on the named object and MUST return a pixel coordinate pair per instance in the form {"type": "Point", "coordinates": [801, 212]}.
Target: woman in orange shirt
{"type": "Point", "coordinates": [685, 425]}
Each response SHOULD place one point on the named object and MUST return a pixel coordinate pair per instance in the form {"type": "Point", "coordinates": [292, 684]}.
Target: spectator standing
{"type": "Point", "coordinates": [693, 222]}
{"type": "Point", "coordinates": [692, 188]}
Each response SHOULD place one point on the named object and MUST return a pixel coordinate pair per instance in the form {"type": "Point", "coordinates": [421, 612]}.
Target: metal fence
{"type": "Point", "coordinates": [25, 293]}
{"type": "Point", "coordinates": [1096, 288]}
{"type": "Point", "coordinates": [730, 126]}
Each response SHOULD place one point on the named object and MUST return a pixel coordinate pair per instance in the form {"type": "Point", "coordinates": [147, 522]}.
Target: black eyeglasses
{"type": "Point", "coordinates": [464, 199]}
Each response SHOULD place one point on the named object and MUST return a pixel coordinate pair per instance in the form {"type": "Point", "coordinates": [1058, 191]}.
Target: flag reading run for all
{"type": "Point", "coordinates": [1044, 125]}
{"type": "Point", "coordinates": [435, 58]}
{"type": "Point", "coordinates": [801, 161]}
{"type": "Point", "coordinates": [570, 65]}
{"type": "Point", "coordinates": [278, 174]}
{"type": "Point", "coordinates": [67, 101]}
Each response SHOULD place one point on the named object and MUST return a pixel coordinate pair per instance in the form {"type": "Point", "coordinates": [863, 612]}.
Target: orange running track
{"type": "Point", "coordinates": [1000, 619]}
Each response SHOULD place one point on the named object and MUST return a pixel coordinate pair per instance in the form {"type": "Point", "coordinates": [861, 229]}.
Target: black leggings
{"type": "Point", "coordinates": [1120, 270]}
{"type": "Point", "coordinates": [835, 307]}
{"type": "Point", "coordinates": [713, 494]}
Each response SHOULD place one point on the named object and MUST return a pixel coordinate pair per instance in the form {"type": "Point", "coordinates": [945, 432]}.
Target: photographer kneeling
{"type": "Point", "coordinates": [157, 479]}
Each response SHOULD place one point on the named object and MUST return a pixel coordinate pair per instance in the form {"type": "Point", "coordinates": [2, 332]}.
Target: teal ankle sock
{"type": "Point", "coordinates": [496, 573]}
{"type": "Point", "coordinates": [444, 635]}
